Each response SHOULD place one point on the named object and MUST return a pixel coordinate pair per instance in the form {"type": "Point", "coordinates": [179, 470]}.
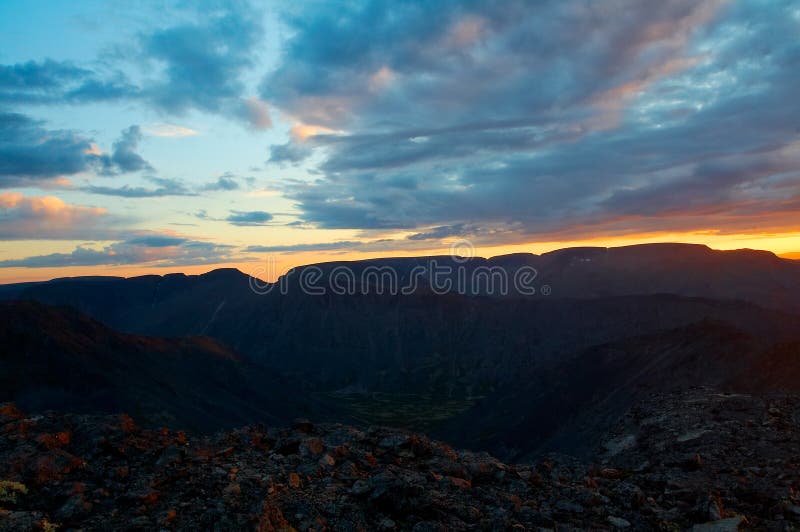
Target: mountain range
{"type": "Point", "coordinates": [516, 374]}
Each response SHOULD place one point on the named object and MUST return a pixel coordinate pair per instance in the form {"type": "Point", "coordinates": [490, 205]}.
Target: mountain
{"type": "Point", "coordinates": [688, 270]}
{"type": "Point", "coordinates": [514, 376]}
{"type": "Point", "coordinates": [389, 341]}
{"type": "Point", "coordinates": [567, 406]}
{"type": "Point", "coordinates": [508, 373]}
{"type": "Point", "coordinates": [58, 358]}
{"type": "Point", "coordinates": [674, 369]}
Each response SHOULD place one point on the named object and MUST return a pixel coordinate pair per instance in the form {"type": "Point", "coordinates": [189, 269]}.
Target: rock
{"type": "Point", "coordinates": [360, 487]}
{"type": "Point", "coordinates": [272, 519]}
{"type": "Point", "coordinates": [427, 526]}
{"type": "Point", "coordinates": [691, 435]}
{"type": "Point", "coordinates": [170, 455]}
{"type": "Point", "coordinates": [731, 524]}
{"type": "Point", "coordinates": [618, 522]}
{"type": "Point", "coordinates": [618, 445]}
{"type": "Point", "coordinates": [303, 425]}
{"type": "Point", "coordinates": [611, 473]}
{"type": "Point", "coordinates": [312, 446]}
{"type": "Point", "coordinates": [231, 491]}
{"type": "Point", "coordinates": [140, 523]}
{"type": "Point", "coordinates": [341, 478]}
{"type": "Point", "coordinates": [394, 441]}
{"type": "Point", "coordinates": [568, 506]}
{"type": "Point", "coordinates": [75, 507]}
{"type": "Point", "coordinates": [460, 483]}
{"type": "Point", "coordinates": [710, 507]}
{"type": "Point", "coordinates": [388, 524]}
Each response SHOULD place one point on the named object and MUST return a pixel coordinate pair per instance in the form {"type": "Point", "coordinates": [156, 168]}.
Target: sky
{"type": "Point", "coordinates": [155, 137]}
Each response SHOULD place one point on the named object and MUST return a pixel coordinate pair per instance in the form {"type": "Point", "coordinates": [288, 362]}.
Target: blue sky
{"type": "Point", "coordinates": [183, 135]}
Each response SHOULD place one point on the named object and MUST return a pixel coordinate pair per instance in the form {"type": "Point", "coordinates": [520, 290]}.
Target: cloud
{"type": "Point", "coordinates": [290, 152]}
{"type": "Point", "coordinates": [226, 181]}
{"type": "Point", "coordinates": [59, 82]}
{"type": "Point", "coordinates": [529, 123]}
{"type": "Point", "coordinates": [199, 64]}
{"type": "Point", "coordinates": [31, 154]}
{"type": "Point", "coordinates": [203, 64]}
{"type": "Point", "coordinates": [48, 217]}
{"type": "Point", "coordinates": [169, 130]}
{"type": "Point", "coordinates": [157, 241]}
{"type": "Point", "coordinates": [440, 232]}
{"type": "Point", "coordinates": [379, 245]}
{"type": "Point", "coordinates": [164, 187]}
{"type": "Point", "coordinates": [256, 113]}
{"type": "Point", "coordinates": [151, 250]}
{"type": "Point", "coordinates": [248, 218]}
{"type": "Point", "coordinates": [124, 156]}
{"type": "Point", "coordinates": [299, 248]}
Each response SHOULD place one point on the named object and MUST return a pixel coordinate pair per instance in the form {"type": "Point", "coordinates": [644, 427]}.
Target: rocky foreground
{"type": "Point", "coordinates": [696, 459]}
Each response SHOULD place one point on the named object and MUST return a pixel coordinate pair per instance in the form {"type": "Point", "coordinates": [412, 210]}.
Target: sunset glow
{"type": "Point", "coordinates": [151, 139]}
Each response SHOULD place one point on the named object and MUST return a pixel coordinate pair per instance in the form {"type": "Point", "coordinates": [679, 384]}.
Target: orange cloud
{"type": "Point", "coordinates": [466, 32]}
{"type": "Point", "coordinates": [258, 113]}
{"type": "Point", "coordinates": [381, 79]}
{"type": "Point", "coordinates": [301, 132]}
{"type": "Point", "coordinates": [47, 217]}
{"type": "Point", "coordinates": [169, 130]}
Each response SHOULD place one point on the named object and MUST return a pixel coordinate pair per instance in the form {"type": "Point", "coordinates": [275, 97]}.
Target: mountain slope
{"type": "Point", "coordinates": [57, 358]}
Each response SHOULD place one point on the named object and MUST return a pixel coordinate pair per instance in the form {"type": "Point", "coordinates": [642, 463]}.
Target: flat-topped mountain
{"type": "Point", "coordinates": [689, 270]}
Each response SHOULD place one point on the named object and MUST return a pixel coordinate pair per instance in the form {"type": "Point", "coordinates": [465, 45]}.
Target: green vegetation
{"type": "Point", "coordinates": [418, 412]}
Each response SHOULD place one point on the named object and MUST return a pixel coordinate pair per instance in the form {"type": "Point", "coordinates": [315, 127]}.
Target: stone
{"type": "Point", "coordinates": [731, 524]}
{"type": "Point", "coordinates": [618, 522]}
{"type": "Point", "coordinates": [303, 425]}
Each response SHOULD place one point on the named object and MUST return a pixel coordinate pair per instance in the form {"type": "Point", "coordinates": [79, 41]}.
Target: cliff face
{"type": "Point", "coordinates": [694, 458]}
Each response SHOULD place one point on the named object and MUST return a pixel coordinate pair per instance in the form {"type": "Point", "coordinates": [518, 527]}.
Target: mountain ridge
{"type": "Point", "coordinates": [55, 357]}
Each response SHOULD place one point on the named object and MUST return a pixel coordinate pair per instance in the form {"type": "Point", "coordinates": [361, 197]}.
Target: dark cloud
{"type": "Point", "coordinates": [29, 152]}
{"type": "Point", "coordinates": [59, 82]}
{"type": "Point", "coordinates": [153, 250]}
{"type": "Point", "coordinates": [203, 64]}
{"type": "Point", "coordinates": [164, 187]}
{"type": "Point", "coordinates": [553, 119]}
{"type": "Point", "coordinates": [246, 218]}
{"type": "Point", "coordinates": [383, 244]}
{"type": "Point", "coordinates": [290, 152]}
{"type": "Point", "coordinates": [299, 248]}
{"type": "Point", "coordinates": [124, 156]}
{"type": "Point", "coordinates": [157, 241]}
{"type": "Point", "coordinates": [200, 65]}
{"type": "Point", "coordinates": [440, 232]}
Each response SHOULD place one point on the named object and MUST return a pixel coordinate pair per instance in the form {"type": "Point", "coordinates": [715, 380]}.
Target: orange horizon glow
{"type": "Point", "coordinates": [784, 246]}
